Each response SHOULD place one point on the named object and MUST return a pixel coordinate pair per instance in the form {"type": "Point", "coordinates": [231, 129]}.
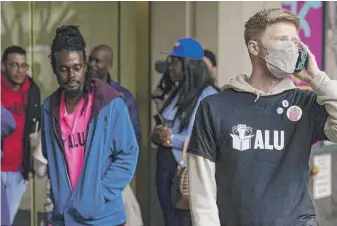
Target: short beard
{"type": "Point", "coordinates": [73, 94]}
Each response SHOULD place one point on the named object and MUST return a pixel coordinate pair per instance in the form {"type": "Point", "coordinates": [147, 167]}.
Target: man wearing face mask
{"type": "Point", "coordinates": [260, 153]}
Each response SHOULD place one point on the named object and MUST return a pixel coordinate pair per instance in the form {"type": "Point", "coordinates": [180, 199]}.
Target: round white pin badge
{"type": "Point", "coordinates": [279, 111]}
{"type": "Point", "coordinates": [294, 113]}
{"type": "Point", "coordinates": [285, 103]}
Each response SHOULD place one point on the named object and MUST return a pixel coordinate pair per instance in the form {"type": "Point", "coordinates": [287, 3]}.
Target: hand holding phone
{"type": "Point", "coordinates": [307, 63]}
{"type": "Point", "coordinates": [302, 61]}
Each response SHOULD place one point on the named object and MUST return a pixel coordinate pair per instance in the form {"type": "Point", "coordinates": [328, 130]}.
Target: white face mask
{"type": "Point", "coordinates": [282, 58]}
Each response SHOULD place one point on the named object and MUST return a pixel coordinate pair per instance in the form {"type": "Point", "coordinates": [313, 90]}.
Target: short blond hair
{"type": "Point", "coordinates": [262, 19]}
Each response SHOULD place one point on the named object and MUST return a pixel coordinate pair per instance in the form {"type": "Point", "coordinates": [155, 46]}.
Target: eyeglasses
{"type": "Point", "coordinates": [16, 66]}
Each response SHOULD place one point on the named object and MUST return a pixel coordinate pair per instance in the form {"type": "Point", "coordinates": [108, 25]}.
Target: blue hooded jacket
{"type": "Point", "coordinates": [110, 159]}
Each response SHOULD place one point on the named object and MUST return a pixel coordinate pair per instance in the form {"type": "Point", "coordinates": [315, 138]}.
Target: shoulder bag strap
{"type": "Point", "coordinates": [183, 154]}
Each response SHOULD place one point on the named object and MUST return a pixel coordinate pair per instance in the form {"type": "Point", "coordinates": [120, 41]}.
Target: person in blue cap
{"type": "Point", "coordinates": [195, 82]}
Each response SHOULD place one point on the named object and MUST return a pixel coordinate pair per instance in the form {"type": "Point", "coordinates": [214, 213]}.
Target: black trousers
{"type": "Point", "coordinates": [166, 165]}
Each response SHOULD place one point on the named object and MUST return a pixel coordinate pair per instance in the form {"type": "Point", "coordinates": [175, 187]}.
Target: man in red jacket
{"type": "Point", "coordinates": [21, 97]}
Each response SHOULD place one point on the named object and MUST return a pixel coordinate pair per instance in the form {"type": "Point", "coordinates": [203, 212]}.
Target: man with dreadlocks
{"type": "Point", "coordinates": [87, 138]}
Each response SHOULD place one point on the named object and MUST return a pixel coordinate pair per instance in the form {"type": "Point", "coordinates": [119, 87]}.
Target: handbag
{"type": "Point", "coordinates": [180, 190]}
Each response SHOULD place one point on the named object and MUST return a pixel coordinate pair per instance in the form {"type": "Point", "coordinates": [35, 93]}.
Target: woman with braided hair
{"type": "Point", "coordinates": [195, 82]}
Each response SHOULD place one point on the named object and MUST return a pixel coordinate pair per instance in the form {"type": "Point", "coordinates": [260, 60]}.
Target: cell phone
{"type": "Point", "coordinates": [302, 61]}
{"type": "Point", "coordinates": [159, 119]}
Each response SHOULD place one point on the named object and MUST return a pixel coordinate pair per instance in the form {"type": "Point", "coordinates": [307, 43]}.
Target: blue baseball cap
{"type": "Point", "coordinates": [187, 47]}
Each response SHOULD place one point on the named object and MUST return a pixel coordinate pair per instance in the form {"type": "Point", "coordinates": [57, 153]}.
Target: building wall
{"type": "Point", "coordinates": [218, 25]}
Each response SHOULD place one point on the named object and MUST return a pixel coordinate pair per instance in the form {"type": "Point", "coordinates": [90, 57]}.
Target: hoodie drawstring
{"type": "Point", "coordinates": [257, 96]}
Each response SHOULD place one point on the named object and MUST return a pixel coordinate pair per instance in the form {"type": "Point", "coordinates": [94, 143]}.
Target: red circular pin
{"type": "Point", "coordinates": [294, 113]}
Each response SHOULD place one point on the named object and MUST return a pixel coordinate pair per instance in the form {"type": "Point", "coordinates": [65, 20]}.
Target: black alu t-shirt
{"type": "Point", "coordinates": [261, 153]}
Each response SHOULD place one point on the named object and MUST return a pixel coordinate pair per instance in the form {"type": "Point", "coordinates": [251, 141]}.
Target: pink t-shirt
{"type": "Point", "coordinates": [74, 132]}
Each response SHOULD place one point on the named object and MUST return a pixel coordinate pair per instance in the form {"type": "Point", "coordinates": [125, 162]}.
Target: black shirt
{"type": "Point", "coordinates": [261, 152]}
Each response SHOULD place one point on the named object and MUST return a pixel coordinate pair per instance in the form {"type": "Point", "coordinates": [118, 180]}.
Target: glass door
{"type": "Point", "coordinates": [32, 25]}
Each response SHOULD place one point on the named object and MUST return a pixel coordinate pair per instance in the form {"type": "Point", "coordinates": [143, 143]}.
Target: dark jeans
{"type": "Point", "coordinates": [166, 165]}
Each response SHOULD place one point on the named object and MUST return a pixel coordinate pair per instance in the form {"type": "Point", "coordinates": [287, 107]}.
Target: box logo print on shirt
{"type": "Point", "coordinates": [244, 137]}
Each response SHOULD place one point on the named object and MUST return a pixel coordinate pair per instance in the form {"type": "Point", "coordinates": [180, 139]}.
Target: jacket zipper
{"type": "Point", "coordinates": [64, 158]}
